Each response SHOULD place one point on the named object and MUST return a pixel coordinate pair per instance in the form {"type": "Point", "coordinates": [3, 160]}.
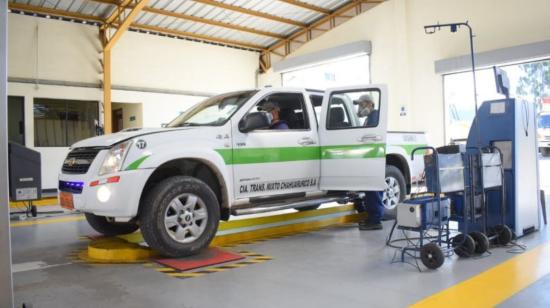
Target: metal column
{"type": "Point", "coordinates": [6, 289]}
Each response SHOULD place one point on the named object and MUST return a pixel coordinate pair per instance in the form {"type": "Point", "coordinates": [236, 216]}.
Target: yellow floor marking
{"type": "Point", "coordinates": [215, 269]}
{"type": "Point", "coordinates": [497, 284]}
{"type": "Point", "coordinates": [271, 232]}
{"type": "Point", "coordinates": [240, 223]}
{"type": "Point", "coordinates": [285, 230]}
{"type": "Point", "coordinates": [27, 223]}
{"type": "Point", "coordinates": [165, 269]}
{"type": "Point", "coordinates": [186, 274]}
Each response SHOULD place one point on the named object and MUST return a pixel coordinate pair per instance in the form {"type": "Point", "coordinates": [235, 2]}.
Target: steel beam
{"type": "Point", "coordinates": [212, 22]}
{"type": "Point", "coordinates": [123, 22]}
{"type": "Point", "coordinates": [107, 84]}
{"type": "Point", "coordinates": [307, 6]}
{"type": "Point", "coordinates": [203, 20]}
{"type": "Point", "coordinates": [196, 36]}
{"type": "Point", "coordinates": [6, 283]}
{"type": "Point", "coordinates": [252, 12]}
{"type": "Point", "coordinates": [316, 25]}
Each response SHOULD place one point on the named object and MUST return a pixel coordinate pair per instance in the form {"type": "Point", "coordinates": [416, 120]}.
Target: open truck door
{"type": "Point", "coordinates": [353, 129]}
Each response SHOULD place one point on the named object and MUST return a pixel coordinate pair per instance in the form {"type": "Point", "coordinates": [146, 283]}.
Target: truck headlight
{"type": "Point", "coordinates": [115, 158]}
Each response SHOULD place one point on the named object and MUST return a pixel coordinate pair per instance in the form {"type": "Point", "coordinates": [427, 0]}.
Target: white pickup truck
{"type": "Point", "coordinates": [220, 159]}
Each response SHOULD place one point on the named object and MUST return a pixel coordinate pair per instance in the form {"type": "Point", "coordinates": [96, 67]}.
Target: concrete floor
{"type": "Point", "coordinates": [335, 267]}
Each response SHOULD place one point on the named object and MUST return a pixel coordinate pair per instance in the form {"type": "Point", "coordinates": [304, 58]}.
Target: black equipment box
{"type": "Point", "coordinates": [24, 173]}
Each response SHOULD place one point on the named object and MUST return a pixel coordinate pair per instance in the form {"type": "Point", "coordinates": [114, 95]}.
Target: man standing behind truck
{"type": "Point", "coordinates": [372, 202]}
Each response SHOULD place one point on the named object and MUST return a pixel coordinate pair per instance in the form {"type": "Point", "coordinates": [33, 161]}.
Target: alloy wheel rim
{"type": "Point", "coordinates": [185, 218]}
{"type": "Point", "coordinates": [392, 193]}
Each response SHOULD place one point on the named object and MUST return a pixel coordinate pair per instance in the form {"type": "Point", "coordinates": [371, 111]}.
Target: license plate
{"type": "Point", "coordinates": [66, 200]}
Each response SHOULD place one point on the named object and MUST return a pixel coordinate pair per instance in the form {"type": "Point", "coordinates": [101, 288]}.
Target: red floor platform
{"type": "Point", "coordinates": [209, 257]}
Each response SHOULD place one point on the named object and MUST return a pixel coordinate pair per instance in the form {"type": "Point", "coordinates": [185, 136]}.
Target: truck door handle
{"type": "Point", "coordinates": [306, 141]}
{"type": "Point", "coordinates": [369, 138]}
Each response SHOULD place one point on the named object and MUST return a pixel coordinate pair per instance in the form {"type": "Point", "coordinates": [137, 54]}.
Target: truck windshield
{"type": "Point", "coordinates": [544, 121]}
{"type": "Point", "coordinates": [214, 111]}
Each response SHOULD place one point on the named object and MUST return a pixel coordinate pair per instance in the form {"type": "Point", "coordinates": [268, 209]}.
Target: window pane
{"type": "Point", "coordinates": [60, 123]}
{"type": "Point", "coordinates": [459, 100]}
{"type": "Point", "coordinates": [49, 123]}
{"type": "Point", "coordinates": [82, 117]}
{"type": "Point", "coordinates": [287, 110]}
{"type": "Point", "coordinates": [528, 82]}
{"type": "Point", "coordinates": [353, 109]}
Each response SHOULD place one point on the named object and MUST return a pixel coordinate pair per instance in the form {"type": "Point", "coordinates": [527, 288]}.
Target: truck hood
{"type": "Point", "coordinates": [111, 139]}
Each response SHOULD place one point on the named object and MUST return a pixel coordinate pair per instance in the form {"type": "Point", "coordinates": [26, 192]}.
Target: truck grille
{"type": "Point", "coordinates": [79, 160]}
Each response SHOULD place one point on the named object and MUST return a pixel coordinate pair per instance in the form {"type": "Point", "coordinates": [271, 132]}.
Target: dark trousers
{"type": "Point", "coordinates": [373, 205]}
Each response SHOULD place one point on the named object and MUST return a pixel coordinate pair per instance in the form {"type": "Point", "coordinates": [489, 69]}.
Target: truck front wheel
{"type": "Point", "coordinates": [102, 225]}
{"type": "Point", "coordinates": [180, 216]}
{"type": "Point", "coordinates": [395, 190]}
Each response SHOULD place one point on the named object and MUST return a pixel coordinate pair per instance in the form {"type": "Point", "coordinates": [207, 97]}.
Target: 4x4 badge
{"type": "Point", "coordinates": [141, 144]}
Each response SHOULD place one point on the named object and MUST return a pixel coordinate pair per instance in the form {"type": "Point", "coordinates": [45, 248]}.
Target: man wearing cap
{"type": "Point", "coordinates": [274, 109]}
{"type": "Point", "coordinates": [366, 109]}
{"type": "Point", "coordinates": [372, 202]}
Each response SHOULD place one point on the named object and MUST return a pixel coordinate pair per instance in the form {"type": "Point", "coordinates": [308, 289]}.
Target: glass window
{"type": "Point", "coordinates": [287, 110]}
{"type": "Point", "coordinates": [353, 109]}
{"type": "Point", "coordinates": [214, 111]}
{"type": "Point", "coordinates": [528, 82]}
{"type": "Point", "coordinates": [459, 100]}
{"type": "Point", "coordinates": [337, 73]}
{"type": "Point", "coordinates": [60, 123]}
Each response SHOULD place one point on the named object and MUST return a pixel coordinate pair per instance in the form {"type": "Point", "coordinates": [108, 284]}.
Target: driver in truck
{"type": "Point", "coordinates": [275, 110]}
{"type": "Point", "coordinates": [367, 109]}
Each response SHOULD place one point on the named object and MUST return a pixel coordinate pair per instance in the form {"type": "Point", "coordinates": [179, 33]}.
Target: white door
{"type": "Point", "coordinates": [270, 162]}
{"type": "Point", "coordinates": [353, 146]}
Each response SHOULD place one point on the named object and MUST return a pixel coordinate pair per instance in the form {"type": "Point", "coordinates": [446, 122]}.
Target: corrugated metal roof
{"type": "Point", "coordinates": [260, 23]}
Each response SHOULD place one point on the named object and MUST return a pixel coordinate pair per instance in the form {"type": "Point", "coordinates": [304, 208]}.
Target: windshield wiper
{"type": "Point", "coordinates": [188, 124]}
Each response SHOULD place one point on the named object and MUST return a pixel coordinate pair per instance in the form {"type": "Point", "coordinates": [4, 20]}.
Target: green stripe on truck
{"type": "Point", "coordinates": [136, 163]}
{"type": "Point", "coordinates": [284, 154]}
{"type": "Point", "coordinates": [374, 150]}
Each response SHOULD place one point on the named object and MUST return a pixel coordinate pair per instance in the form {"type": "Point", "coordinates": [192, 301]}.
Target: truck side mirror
{"type": "Point", "coordinates": [254, 120]}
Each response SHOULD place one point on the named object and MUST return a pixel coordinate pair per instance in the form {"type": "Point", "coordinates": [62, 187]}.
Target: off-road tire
{"type": "Point", "coordinates": [154, 207]}
{"type": "Point", "coordinates": [105, 227]}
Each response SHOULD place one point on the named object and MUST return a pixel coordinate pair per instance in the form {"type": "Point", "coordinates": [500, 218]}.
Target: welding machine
{"type": "Point", "coordinates": [422, 212]}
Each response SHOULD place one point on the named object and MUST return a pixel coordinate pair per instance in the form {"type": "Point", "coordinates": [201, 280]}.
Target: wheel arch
{"type": "Point", "coordinates": [400, 163]}
{"type": "Point", "coordinates": [198, 168]}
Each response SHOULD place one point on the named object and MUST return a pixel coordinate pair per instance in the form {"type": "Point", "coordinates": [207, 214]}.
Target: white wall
{"type": "Point", "coordinates": [49, 49]}
{"type": "Point", "coordinates": [403, 55]}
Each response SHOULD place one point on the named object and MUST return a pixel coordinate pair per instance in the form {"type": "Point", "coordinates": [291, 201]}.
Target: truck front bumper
{"type": "Point", "coordinates": [119, 200]}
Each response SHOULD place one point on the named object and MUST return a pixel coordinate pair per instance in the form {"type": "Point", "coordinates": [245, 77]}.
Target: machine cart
{"type": "Point", "coordinates": [484, 180]}
{"type": "Point", "coordinates": [429, 214]}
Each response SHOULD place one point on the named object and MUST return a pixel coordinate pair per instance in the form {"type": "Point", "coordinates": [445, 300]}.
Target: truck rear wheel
{"type": "Point", "coordinates": [102, 225]}
{"type": "Point", "coordinates": [180, 216]}
{"type": "Point", "coordinates": [395, 191]}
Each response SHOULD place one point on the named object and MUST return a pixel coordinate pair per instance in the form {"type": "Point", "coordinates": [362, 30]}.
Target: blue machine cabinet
{"type": "Point", "coordinates": [511, 127]}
